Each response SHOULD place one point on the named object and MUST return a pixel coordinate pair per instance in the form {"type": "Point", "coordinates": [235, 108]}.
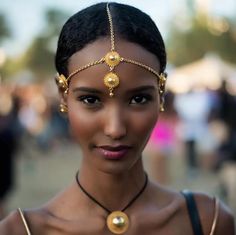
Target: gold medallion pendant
{"type": "Point", "coordinates": [111, 80]}
{"type": "Point", "coordinates": [118, 222]}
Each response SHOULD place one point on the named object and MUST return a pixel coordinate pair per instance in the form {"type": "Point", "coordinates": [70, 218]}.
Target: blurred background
{"type": "Point", "coordinates": [194, 144]}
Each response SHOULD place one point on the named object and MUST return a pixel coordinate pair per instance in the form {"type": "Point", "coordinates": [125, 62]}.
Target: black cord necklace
{"type": "Point", "coordinates": [117, 221]}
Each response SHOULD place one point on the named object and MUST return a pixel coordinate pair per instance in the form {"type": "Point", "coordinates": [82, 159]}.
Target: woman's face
{"type": "Point", "coordinates": [112, 131]}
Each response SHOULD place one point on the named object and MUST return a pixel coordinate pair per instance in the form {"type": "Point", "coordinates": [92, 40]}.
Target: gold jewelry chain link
{"type": "Point", "coordinates": [112, 35]}
{"type": "Point", "coordinates": [101, 61]}
{"type": "Point", "coordinates": [141, 65]}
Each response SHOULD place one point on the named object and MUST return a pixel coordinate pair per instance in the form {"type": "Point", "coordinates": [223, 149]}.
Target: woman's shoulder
{"type": "Point", "coordinates": [12, 224]}
{"type": "Point", "coordinates": [212, 210]}
{"type": "Point", "coordinates": [208, 208]}
{"type": "Point", "coordinates": [18, 221]}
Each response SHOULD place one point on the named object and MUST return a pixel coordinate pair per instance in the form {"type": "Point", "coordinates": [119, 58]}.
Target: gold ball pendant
{"type": "Point", "coordinates": [112, 58]}
{"type": "Point", "coordinates": [111, 80]}
{"type": "Point", "coordinates": [118, 222]}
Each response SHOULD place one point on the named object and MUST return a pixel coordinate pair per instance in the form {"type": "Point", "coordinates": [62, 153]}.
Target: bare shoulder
{"type": "Point", "coordinates": [12, 224]}
{"type": "Point", "coordinates": [207, 208]}
{"type": "Point", "coordinates": [36, 220]}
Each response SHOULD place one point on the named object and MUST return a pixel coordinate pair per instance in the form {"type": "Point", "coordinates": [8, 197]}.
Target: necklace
{"type": "Point", "coordinates": [117, 221]}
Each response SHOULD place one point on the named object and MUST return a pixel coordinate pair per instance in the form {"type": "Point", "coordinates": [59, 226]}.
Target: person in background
{"type": "Point", "coordinates": [193, 109]}
{"type": "Point", "coordinates": [163, 142]}
{"type": "Point", "coordinates": [9, 140]}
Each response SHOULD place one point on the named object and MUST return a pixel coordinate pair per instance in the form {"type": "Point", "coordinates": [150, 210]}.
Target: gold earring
{"type": "Point", "coordinates": [162, 84]}
{"type": "Point", "coordinates": [63, 108]}
{"type": "Point", "coordinates": [162, 109]}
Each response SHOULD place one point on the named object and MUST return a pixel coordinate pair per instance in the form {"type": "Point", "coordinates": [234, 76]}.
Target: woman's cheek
{"type": "Point", "coordinates": [145, 123]}
{"type": "Point", "coordinates": [80, 124]}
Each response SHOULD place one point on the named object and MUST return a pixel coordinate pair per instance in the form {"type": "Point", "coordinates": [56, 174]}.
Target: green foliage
{"type": "Point", "coordinates": [39, 56]}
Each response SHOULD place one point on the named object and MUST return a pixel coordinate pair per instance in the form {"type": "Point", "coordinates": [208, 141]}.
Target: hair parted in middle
{"type": "Point", "coordinates": [111, 80]}
{"type": "Point", "coordinates": [90, 24]}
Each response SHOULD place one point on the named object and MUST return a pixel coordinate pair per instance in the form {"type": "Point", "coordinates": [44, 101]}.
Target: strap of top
{"type": "Point", "coordinates": [24, 221]}
{"type": "Point", "coordinates": [194, 216]}
{"type": "Point", "coordinates": [193, 212]}
{"type": "Point", "coordinates": [216, 215]}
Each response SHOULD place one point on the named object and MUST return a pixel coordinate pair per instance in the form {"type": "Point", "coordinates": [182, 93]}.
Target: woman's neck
{"type": "Point", "coordinates": [114, 191]}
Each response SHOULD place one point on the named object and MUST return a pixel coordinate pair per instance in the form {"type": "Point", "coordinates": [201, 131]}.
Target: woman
{"type": "Point", "coordinates": [111, 61]}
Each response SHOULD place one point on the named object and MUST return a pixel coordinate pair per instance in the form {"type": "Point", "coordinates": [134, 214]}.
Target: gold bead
{"type": "Point", "coordinates": [162, 109]}
{"type": "Point", "coordinates": [111, 80]}
{"type": "Point", "coordinates": [112, 58]}
{"type": "Point", "coordinates": [111, 94]}
{"type": "Point", "coordinates": [63, 108]}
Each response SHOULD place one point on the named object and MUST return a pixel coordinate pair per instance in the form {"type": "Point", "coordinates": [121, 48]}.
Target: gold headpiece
{"type": "Point", "coordinates": [112, 59]}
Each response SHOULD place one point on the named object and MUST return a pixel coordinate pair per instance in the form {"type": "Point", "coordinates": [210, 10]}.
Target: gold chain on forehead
{"type": "Point", "coordinates": [112, 59]}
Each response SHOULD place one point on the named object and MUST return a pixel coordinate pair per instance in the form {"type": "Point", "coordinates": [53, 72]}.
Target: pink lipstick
{"type": "Point", "coordinates": [113, 153]}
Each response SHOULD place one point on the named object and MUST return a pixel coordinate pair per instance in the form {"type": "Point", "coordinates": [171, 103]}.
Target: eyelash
{"type": "Point", "coordinates": [145, 98]}
{"type": "Point", "coordinates": [84, 99]}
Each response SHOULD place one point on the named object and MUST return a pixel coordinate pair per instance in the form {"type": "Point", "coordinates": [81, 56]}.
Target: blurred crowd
{"type": "Point", "coordinates": [207, 126]}
{"type": "Point", "coordinates": [200, 127]}
{"type": "Point", "coordinates": [29, 115]}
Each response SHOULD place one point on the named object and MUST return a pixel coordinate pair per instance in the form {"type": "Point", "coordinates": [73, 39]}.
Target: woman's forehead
{"type": "Point", "coordinates": [130, 77]}
{"type": "Point", "coordinates": [98, 49]}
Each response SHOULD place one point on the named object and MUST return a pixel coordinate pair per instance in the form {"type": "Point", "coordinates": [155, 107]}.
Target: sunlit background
{"type": "Point", "coordinates": [194, 144]}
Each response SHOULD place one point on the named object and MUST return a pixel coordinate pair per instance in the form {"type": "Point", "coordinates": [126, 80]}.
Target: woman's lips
{"type": "Point", "coordinates": [111, 152]}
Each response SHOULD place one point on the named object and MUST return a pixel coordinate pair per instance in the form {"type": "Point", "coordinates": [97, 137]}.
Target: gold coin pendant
{"type": "Point", "coordinates": [118, 222]}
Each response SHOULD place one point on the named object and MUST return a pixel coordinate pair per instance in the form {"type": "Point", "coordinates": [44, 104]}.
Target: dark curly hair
{"type": "Point", "coordinates": [92, 23]}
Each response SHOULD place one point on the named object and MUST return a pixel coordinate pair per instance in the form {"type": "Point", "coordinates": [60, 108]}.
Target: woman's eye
{"type": "Point", "coordinates": [140, 99]}
{"type": "Point", "coordinates": [90, 100]}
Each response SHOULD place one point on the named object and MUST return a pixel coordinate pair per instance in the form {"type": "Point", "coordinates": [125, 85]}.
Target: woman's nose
{"type": "Point", "coordinates": [115, 124]}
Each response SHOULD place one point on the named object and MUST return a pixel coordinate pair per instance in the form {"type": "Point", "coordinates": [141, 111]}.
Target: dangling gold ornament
{"type": "Point", "coordinates": [63, 108]}
{"type": "Point", "coordinates": [162, 109]}
{"type": "Point", "coordinates": [118, 222]}
{"type": "Point", "coordinates": [111, 80]}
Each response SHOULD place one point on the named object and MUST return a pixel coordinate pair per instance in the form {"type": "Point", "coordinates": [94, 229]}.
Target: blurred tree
{"type": "Point", "coordinates": [39, 56]}
{"type": "Point", "coordinates": [4, 29]}
{"type": "Point", "coordinates": [199, 35]}
{"type": "Point", "coordinates": [5, 33]}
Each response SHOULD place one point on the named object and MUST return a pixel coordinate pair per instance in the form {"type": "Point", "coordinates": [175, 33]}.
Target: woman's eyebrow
{"type": "Point", "coordinates": [133, 90]}
{"type": "Point", "coordinates": [143, 88]}
{"type": "Point", "coordinates": [87, 89]}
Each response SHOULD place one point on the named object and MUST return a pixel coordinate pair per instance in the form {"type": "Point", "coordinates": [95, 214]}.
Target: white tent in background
{"type": "Point", "coordinates": [207, 72]}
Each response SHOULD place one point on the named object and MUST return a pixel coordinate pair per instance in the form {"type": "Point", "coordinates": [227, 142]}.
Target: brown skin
{"type": "Point", "coordinates": [98, 120]}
